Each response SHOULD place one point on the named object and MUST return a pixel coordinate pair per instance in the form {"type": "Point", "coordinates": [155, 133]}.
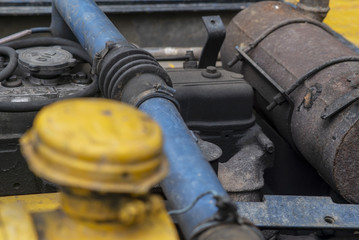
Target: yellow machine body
{"type": "Point", "coordinates": [105, 156]}
{"type": "Point", "coordinates": [17, 223]}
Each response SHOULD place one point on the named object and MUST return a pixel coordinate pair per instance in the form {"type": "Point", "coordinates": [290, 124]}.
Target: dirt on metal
{"type": "Point", "coordinates": [287, 54]}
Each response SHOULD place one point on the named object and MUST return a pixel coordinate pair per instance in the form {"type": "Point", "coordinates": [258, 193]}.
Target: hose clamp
{"type": "Point", "coordinates": [159, 90]}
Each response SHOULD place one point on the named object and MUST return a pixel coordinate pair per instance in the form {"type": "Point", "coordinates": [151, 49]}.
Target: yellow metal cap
{"type": "Point", "coordinates": [97, 144]}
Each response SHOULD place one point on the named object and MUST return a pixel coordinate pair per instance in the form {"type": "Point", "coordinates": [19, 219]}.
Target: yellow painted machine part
{"type": "Point", "coordinates": [96, 144]}
{"type": "Point", "coordinates": [91, 129]}
{"type": "Point", "coordinates": [105, 155]}
{"type": "Point", "coordinates": [22, 217]}
{"type": "Point", "coordinates": [60, 227]}
{"type": "Point", "coordinates": [17, 223]}
{"type": "Point", "coordinates": [35, 202]}
{"type": "Point", "coordinates": [343, 17]}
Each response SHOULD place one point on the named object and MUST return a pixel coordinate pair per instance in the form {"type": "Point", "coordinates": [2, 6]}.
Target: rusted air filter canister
{"type": "Point", "coordinates": [318, 78]}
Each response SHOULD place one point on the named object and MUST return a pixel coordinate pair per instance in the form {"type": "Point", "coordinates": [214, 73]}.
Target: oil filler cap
{"type": "Point", "coordinates": [46, 61]}
{"type": "Point", "coordinates": [96, 144]}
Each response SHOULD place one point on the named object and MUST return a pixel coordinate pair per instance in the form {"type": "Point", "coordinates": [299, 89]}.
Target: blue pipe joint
{"type": "Point", "coordinates": [190, 174]}
{"type": "Point", "coordinates": [89, 24]}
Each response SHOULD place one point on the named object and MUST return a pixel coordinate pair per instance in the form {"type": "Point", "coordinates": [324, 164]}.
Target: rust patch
{"type": "Point", "coordinates": [309, 98]}
{"type": "Point", "coordinates": [346, 166]}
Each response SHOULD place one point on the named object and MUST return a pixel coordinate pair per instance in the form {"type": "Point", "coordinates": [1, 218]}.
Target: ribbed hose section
{"type": "Point", "coordinates": [120, 66]}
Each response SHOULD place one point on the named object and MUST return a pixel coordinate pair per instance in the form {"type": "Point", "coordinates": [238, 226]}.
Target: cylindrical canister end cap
{"type": "Point", "coordinates": [96, 144]}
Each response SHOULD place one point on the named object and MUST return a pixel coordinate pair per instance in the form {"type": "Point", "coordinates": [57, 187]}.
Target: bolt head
{"type": "Point", "coordinates": [81, 78]}
{"type": "Point", "coordinates": [211, 69]}
{"type": "Point", "coordinates": [11, 82]}
{"type": "Point", "coordinates": [211, 72]}
{"type": "Point", "coordinates": [13, 78]}
{"type": "Point", "coordinates": [81, 75]}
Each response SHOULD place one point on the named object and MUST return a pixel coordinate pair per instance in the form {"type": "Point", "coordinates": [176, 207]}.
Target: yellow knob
{"type": "Point", "coordinates": [97, 144]}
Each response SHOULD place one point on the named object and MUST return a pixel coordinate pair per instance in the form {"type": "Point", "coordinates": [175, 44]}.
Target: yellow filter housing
{"type": "Point", "coordinates": [96, 144]}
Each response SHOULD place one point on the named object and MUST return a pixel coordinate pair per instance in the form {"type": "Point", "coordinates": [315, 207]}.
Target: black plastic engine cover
{"type": "Point", "coordinates": [213, 103]}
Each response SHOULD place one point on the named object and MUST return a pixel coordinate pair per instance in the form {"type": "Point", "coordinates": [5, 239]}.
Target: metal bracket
{"type": "Point", "coordinates": [300, 212]}
{"type": "Point", "coordinates": [340, 103]}
{"type": "Point", "coordinates": [274, 28]}
{"type": "Point", "coordinates": [278, 99]}
{"type": "Point", "coordinates": [283, 95]}
{"type": "Point", "coordinates": [216, 34]}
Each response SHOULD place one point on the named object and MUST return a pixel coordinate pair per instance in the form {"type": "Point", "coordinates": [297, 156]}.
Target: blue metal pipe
{"type": "Point", "coordinates": [190, 174]}
{"type": "Point", "coordinates": [89, 24]}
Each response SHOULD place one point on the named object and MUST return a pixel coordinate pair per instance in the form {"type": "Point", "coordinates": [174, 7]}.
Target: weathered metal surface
{"type": "Point", "coordinates": [242, 174]}
{"type": "Point", "coordinates": [89, 24]}
{"type": "Point", "coordinates": [282, 96]}
{"type": "Point", "coordinates": [286, 55]}
{"type": "Point", "coordinates": [300, 212]}
{"type": "Point", "coordinates": [230, 233]}
{"type": "Point", "coordinates": [294, 212]}
{"type": "Point", "coordinates": [36, 7]}
{"type": "Point", "coordinates": [210, 150]}
{"type": "Point", "coordinates": [341, 103]}
{"type": "Point", "coordinates": [190, 173]}
{"type": "Point", "coordinates": [216, 34]}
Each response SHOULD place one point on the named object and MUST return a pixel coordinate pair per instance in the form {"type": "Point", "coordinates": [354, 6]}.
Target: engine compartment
{"type": "Point", "coordinates": [240, 111]}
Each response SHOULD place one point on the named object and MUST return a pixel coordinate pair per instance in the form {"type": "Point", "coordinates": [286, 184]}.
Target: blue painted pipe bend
{"type": "Point", "coordinates": [190, 174]}
{"type": "Point", "coordinates": [89, 24]}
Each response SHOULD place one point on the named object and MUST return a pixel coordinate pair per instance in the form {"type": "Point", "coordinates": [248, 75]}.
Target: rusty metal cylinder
{"type": "Point", "coordinates": [311, 100]}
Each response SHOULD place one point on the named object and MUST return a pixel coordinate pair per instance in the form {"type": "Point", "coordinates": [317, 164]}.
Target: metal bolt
{"type": "Point", "coordinates": [190, 62]}
{"type": "Point", "coordinates": [211, 72]}
{"type": "Point", "coordinates": [81, 75]}
{"type": "Point", "coordinates": [190, 55]}
{"type": "Point", "coordinates": [81, 78]}
{"type": "Point", "coordinates": [12, 81]}
{"type": "Point", "coordinates": [13, 78]}
{"type": "Point", "coordinates": [211, 69]}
